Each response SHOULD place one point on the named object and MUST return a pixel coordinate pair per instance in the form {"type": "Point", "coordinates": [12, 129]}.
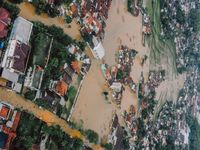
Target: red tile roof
{"type": "Point", "coordinates": [4, 112]}
{"type": "Point", "coordinates": [62, 88]}
{"type": "Point", "coordinates": [4, 22]}
{"type": "Point", "coordinates": [12, 131]}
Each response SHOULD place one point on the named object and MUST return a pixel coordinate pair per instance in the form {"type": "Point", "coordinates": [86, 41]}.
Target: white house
{"type": "Point", "coordinates": [98, 51]}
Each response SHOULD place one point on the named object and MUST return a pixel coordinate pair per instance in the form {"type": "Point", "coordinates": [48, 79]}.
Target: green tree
{"type": "Point", "coordinates": [194, 136]}
{"type": "Point", "coordinates": [54, 62]}
{"type": "Point", "coordinates": [68, 2]}
{"type": "Point", "coordinates": [126, 144]}
{"type": "Point", "coordinates": [77, 144]}
{"type": "Point", "coordinates": [29, 142]}
{"type": "Point", "coordinates": [92, 136]}
{"type": "Point", "coordinates": [30, 95]}
{"type": "Point", "coordinates": [57, 32]}
{"type": "Point", "coordinates": [40, 6]}
{"type": "Point", "coordinates": [17, 1]}
{"type": "Point", "coordinates": [52, 10]}
{"type": "Point", "coordinates": [13, 9]}
{"type": "Point", "coordinates": [194, 19]}
{"type": "Point", "coordinates": [108, 146]}
{"type": "Point", "coordinates": [72, 93]}
{"type": "Point", "coordinates": [68, 19]}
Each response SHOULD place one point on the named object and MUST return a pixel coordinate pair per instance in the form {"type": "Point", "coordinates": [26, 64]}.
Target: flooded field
{"type": "Point", "coordinates": [28, 12]}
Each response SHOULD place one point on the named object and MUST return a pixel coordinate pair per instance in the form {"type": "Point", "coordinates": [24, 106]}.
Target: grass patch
{"type": "Point", "coordinates": [40, 49]}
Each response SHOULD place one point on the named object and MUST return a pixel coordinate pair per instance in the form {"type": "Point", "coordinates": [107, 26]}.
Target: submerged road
{"type": "Point", "coordinates": [50, 118]}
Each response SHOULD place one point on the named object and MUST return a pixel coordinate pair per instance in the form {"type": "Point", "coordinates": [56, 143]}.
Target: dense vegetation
{"type": "Point", "coordinates": [59, 54]}
{"type": "Point", "coordinates": [194, 136]}
{"type": "Point", "coordinates": [50, 8]}
{"type": "Point", "coordinates": [32, 131]}
{"type": "Point", "coordinates": [131, 7]}
{"type": "Point", "coordinates": [92, 136]}
{"type": "Point", "coordinates": [13, 9]}
{"type": "Point", "coordinates": [40, 49]}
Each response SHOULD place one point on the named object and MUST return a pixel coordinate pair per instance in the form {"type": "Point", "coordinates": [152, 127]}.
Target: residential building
{"type": "Point", "coordinates": [98, 50]}
{"type": "Point", "coordinates": [9, 118]}
{"type": "Point", "coordinates": [16, 57]}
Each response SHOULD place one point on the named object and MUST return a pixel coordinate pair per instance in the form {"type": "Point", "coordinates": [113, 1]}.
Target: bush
{"type": "Point", "coordinates": [51, 10]}
{"type": "Point", "coordinates": [92, 136]}
{"type": "Point", "coordinates": [68, 19]}
{"type": "Point", "coordinates": [17, 1]}
{"type": "Point", "coordinates": [108, 146]}
{"type": "Point", "coordinates": [72, 94]}
{"type": "Point", "coordinates": [43, 103]}
{"type": "Point", "coordinates": [30, 95]}
{"type": "Point", "coordinates": [13, 10]}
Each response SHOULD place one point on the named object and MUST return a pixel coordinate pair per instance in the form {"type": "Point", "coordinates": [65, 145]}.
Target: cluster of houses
{"type": "Point", "coordinates": [148, 92]}
{"type": "Point", "coordinates": [129, 118]}
{"type": "Point", "coordinates": [92, 16]}
{"type": "Point", "coordinates": [16, 74]}
{"type": "Point", "coordinates": [182, 39]}
{"type": "Point", "coordinates": [9, 120]}
{"type": "Point", "coordinates": [15, 58]}
{"type": "Point", "coordinates": [80, 66]}
{"type": "Point", "coordinates": [171, 121]}
{"type": "Point", "coordinates": [119, 75]}
{"type": "Point", "coordinates": [155, 78]}
{"type": "Point", "coordinates": [117, 134]}
{"type": "Point", "coordinates": [146, 23]}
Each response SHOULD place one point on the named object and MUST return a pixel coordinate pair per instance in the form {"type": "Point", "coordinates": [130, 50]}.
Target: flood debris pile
{"type": "Point", "coordinates": [119, 76]}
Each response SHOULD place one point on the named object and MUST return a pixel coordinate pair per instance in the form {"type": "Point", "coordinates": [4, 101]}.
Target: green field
{"type": "Point", "coordinates": [41, 49]}
{"type": "Point", "coordinates": [163, 50]}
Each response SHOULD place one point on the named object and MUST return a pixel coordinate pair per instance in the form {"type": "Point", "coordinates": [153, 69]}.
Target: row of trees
{"type": "Point", "coordinates": [31, 130]}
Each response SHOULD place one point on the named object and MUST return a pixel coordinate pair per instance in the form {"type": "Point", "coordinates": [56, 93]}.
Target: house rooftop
{"type": "Point", "coordinates": [21, 55]}
{"type": "Point", "coordinates": [61, 88]}
{"type": "Point", "coordinates": [4, 22]}
{"type": "Point", "coordinates": [21, 30]}
{"type": "Point", "coordinates": [4, 112]}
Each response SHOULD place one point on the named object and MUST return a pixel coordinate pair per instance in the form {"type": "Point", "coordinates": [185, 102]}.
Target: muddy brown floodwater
{"type": "Point", "coordinates": [28, 12]}
{"type": "Point", "coordinates": [91, 107]}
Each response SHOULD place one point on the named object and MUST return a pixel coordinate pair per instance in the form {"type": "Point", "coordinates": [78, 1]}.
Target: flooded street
{"type": "Point", "coordinates": [50, 118]}
{"type": "Point", "coordinates": [28, 12]}
{"type": "Point", "coordinates": [122, 29]}
{"type": "Point", "coordinates": [91, 106]}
